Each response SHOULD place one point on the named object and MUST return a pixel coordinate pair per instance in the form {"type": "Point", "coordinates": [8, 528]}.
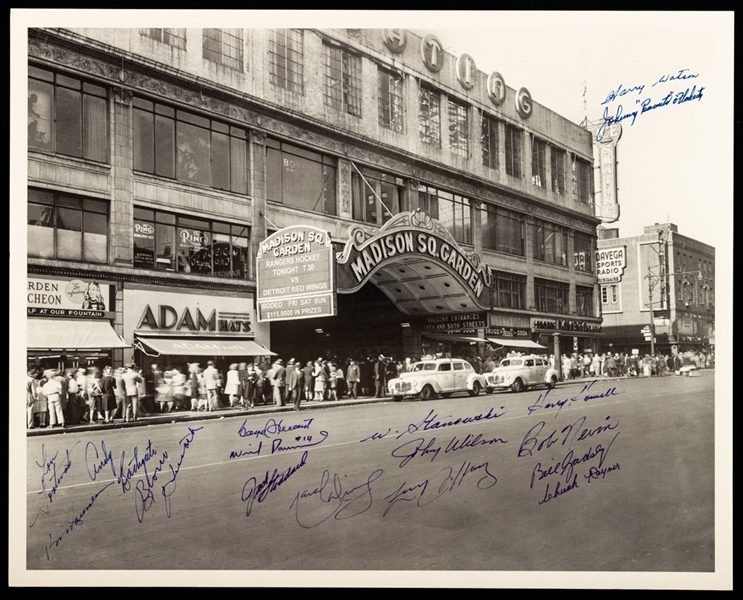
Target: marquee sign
{"type": "Point", "coordinates": [568, 325]}
{"type": "Point", "coordinates": [295, 271]}
{"type": "Point", "coordinates": [411, 235]}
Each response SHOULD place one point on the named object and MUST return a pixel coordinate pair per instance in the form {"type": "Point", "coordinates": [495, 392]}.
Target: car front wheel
{"type": "Point", "coordinates": [475, 389]}
{"type": "Point", "coordinates": [427, 393]}
{"type": "Point", "coordinates": [552, 383]}
{"type": "Point", "coordinates": [517, 386]}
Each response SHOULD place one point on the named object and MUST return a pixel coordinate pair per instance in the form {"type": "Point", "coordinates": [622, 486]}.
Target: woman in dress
{"type": "Point", "coordinates": [232, 385]}
{"type": "Point", "coordinates": [95, 394]}
{"type": "Point", "coordinates": [319, 377]}
{"type": "Point", "coordinates": [178, 381]}
{"type": "Point", "coordinates": [108, 396]}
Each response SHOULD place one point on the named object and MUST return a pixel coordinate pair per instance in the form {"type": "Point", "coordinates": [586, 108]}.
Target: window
{"type": "Point", "coordinates": [429, 116]}
{"type": "Point", "coordinates": [169, 242]}
{"type": "Point", "coordinates": [538, 167]}
{"type": "Point", "coordinates": [509, 291]}
{"type": "Point", "coordinates": [65, 227]}
{"type": "Point", "coordinates": [67, 115]}
{"type": "Point", "coordinates": [583, 179]}
{"type": "Point", "coordinates": [557, 164]}
{"type": "Point", "coordinates": [286, 56]}
{"type": "Point", "coordinates": [610, 297]}
{"type": "Point", "coordinates": [342, 80]}
{"type": "Point", "coordinates": [300, 178]}
{"type": "Point", "coordinates": [224, 47]}
{"type": "Point", "coordinates": [171, 37]}
{"type": "Point", "coordinates": [188, 147]}
{"type": "Point", "coordinates": [489, 142]}
{"type": "Point", "coordinates": [503, 230]}
{"type": "Point", "coordinates": [367, 191]}
{"type": "Point", "coordinates": [389, 88]}
{"type": "Point", "coordinates": [550, 243]}
{"type": "Point", "coordinates": [584, 301]}
{"type": "Point", "coordinates": [582, 252]}
{"type": "Point", "coordinates": [452, 211]}
{"type": "Point", "coordinates": [513, 151]}
{"type": "Point", "coordinates": [458, 129]}
{"type": "Point", "coordinates": [551, 296]}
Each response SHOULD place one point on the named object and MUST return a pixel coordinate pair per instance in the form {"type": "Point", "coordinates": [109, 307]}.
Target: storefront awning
{"type": "Point", "coordinates": [200, 347]}
{"type": "Point", "coordinates": [513, 343]}
{"type": "Point", "coordinates": [454, 338]}
{"type": "Point", "coordinates": [73, 334]}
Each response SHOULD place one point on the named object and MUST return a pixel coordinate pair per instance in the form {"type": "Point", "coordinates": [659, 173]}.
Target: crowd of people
{"type": "Point", "coordinates": [90, 395]}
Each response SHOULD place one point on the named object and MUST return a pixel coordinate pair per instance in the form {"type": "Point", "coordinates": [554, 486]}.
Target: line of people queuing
{"type": "Point", "coordinates": [621, 364]}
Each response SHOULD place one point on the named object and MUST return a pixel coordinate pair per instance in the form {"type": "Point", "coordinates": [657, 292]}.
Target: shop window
{"type": "Point", "coordinates": [584, 301]}
{"type": "Point", "coordinates": [389, 89]}
{"type": "Point", "coordinates": [286, 57]}
{"type": "Point", "coordinates": [65, 227]}
{"type": "Point", "coordinates": [171, 37]}
{"type": "Point", "coordinates": [224, 47]}
{"type": "Point", "coordinates": [583, 180]}
{"type": "Point", "coordinates": [188, 147]}
{"type": "Point", "coordinates": [453, 211]}
{"type": "Point", "coordinates": [168, 242]}
{"type": "Point", "coordinates": [538, 167]}
{"type": "Point", "coordinates": [557, 165]}
{"type": "Point", "coordinates": [342, 80]}
{"type": "Point", "coordinates": [300, 178]}
{"type": "Point", "coordinates": [583, 252]}
{"type": "Point", "coordinates": [429, 116]}
{"type": "Point", "coordinates": [513, 151]}
{"type": "Point", "coordinates": [458, 128]}
{"type": "Point", "coordinates": [67, 115]}
{"type": "Point", "coordinates": [489, 134]}
{"type": "Point", "coordinates": [550, 243]}
{"type": "Point", "coordinates": [551, 296]}
{"type": "Point", "coordinates": [503, 230]}
{"type": "Point", "coordinates": [375, 196]}
{"type": "Point", "coordinates": [509, 290]}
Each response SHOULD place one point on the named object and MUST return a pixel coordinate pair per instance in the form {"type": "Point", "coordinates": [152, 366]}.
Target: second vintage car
{"type": "Point", "coordinates": [434, 377]}
{"type": "Point", "coordinates": [519, 373]}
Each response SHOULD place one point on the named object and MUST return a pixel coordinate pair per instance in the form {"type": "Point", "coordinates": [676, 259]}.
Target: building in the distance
{"type": "Point", "coordinates": [659, 283]}
{"type": "Point", "coordinates": [160, 159]}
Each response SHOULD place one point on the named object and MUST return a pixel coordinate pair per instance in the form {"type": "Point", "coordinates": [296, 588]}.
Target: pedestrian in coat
{"type": "Point", "coordinates": [353, 376]}
{"type": "Point", "coordinates": [380, 390]}
{"type": "Point", "coordinates": [294, 384]}
{"type": "Point", "coordinates": [108, 398]}
{"type": "Point", "coordinates": [32, 395]}
{"type": "Point", "coordinates": [52, 389]}
{"type": "Point", "coordinates": [232, 385]}
{"type": "Point", "coordinates": [212, 381]}
{"type": "Point", "coordinates": [131, 378]}
{"type": "Point", "coordinates": [308, 380]}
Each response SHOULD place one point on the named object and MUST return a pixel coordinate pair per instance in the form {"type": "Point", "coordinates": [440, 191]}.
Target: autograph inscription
{"type": "Point", "coordinates": [252, 490]}
{"type": "Point", "coordinates": [419, 447]}
{"type": "Point", "coordinates": [543, 404]}
{"type": "Point", "coordinates": [51, 475]}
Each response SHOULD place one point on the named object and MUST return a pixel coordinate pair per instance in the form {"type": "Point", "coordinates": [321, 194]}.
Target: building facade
{"type": "Point", "coordinates": [661, 270]}
{"type": "Point", "coordinates": [160, 159]}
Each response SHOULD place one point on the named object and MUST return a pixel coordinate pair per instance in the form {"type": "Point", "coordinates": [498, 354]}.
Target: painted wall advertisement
{"type": "Point", "coordinates": [296, 275]}
{"type": "Point", "coordinates": [86, 298]}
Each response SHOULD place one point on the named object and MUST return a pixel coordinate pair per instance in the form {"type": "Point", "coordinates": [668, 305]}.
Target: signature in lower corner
{"type": "Point", "coordinates": [253, 491]}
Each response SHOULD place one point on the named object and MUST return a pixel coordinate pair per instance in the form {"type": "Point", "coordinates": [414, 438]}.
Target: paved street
{"type": "Point", "coordinates": [611, 476]}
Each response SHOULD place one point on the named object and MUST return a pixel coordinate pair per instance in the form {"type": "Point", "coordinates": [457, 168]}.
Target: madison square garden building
{"type": "Point", "coordinates": [213, 193]}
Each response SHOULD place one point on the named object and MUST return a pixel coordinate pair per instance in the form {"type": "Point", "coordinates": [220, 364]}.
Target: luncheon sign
{"type": "Point", "coordinates": [295, 275]}
{"type": "Point", "coordinates": [610, 264]}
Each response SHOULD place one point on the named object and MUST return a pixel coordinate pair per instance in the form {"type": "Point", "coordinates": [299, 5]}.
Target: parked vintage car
{"type": "Point", "coordinates": [519, 373]}
{"type": "Point", "coordinates": [440, 376]}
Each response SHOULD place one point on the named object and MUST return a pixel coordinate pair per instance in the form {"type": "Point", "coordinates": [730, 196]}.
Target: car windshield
{"type": "Point", "coordinates": [511, 362]}
{"type": "Point", "coordinates": [424, 366]}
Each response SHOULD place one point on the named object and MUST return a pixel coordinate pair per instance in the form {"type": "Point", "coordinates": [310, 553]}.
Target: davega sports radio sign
{"type": "Point", "coordinates": [295, 275]}
{"type": "Point", "coordinates": [610, 264]}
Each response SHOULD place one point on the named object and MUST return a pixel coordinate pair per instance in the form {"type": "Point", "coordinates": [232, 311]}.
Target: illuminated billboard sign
{"type": "Point", "coordinates": [295, 275]}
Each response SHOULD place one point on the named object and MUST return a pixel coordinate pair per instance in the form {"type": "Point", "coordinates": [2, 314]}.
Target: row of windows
{"type": "Point", "coordinates": [342, 91]}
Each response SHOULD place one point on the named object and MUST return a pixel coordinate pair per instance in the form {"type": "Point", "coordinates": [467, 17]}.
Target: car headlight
{"type": "Point", "coordinates": [507, 376]}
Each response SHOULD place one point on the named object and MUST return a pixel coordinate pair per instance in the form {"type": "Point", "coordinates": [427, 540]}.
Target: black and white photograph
{"type": "Point", "coordinates": [371, 299]}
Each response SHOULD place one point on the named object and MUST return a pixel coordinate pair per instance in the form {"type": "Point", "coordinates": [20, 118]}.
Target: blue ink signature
{"type": "Point", "coordinates": [168, 488]}
{"type": "Point", "coordinates": [422, 495]}
{"type": "Point", "coordinates": [272, 427]}
{"type": "Point", "coordinates": [542, 404]}
{"type": "Point", "coordinates": [420, 447]}
{"type": "Point", "coordinates": [431, 422]}
{"type": "Point", "coordinates": [575, 431]}
{"type": "Point", "coordinates": [277, 444]}
{"type": "Point", "coordinates": [619, 92]}
{"type": "Point", "coordinates": [595, 473]}
{"type": "Point", "coordinates": [252, 490]}
{"type": "Point", "coordinates": [681, 75]}
{"type": "Point", "coordinates": [49, 466]}
{"type": "Point", "coordinates": [74, 521]}
{"type": "Point", "coordinates": [646, 105]}
{"type": "Point", "coordinates": [559, 491]}
{"type": "Point", "coordinates": [343, 503]}
{"type": "Point", "coordinates": [242, 453]}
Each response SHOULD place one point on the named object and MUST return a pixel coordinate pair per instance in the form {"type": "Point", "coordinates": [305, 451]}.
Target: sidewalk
{"type": "Point", "coordinates": [263, 409]}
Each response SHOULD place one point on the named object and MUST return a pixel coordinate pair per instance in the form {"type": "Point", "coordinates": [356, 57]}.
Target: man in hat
{"type": "Point", "coordinates": [278, 381]}
{"type": "Point", "coordinates": [379, 382]}
{"type": "Point", "coordinates": [211, 381]}
{"type": "Point", "coordinates": [130, 379]}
